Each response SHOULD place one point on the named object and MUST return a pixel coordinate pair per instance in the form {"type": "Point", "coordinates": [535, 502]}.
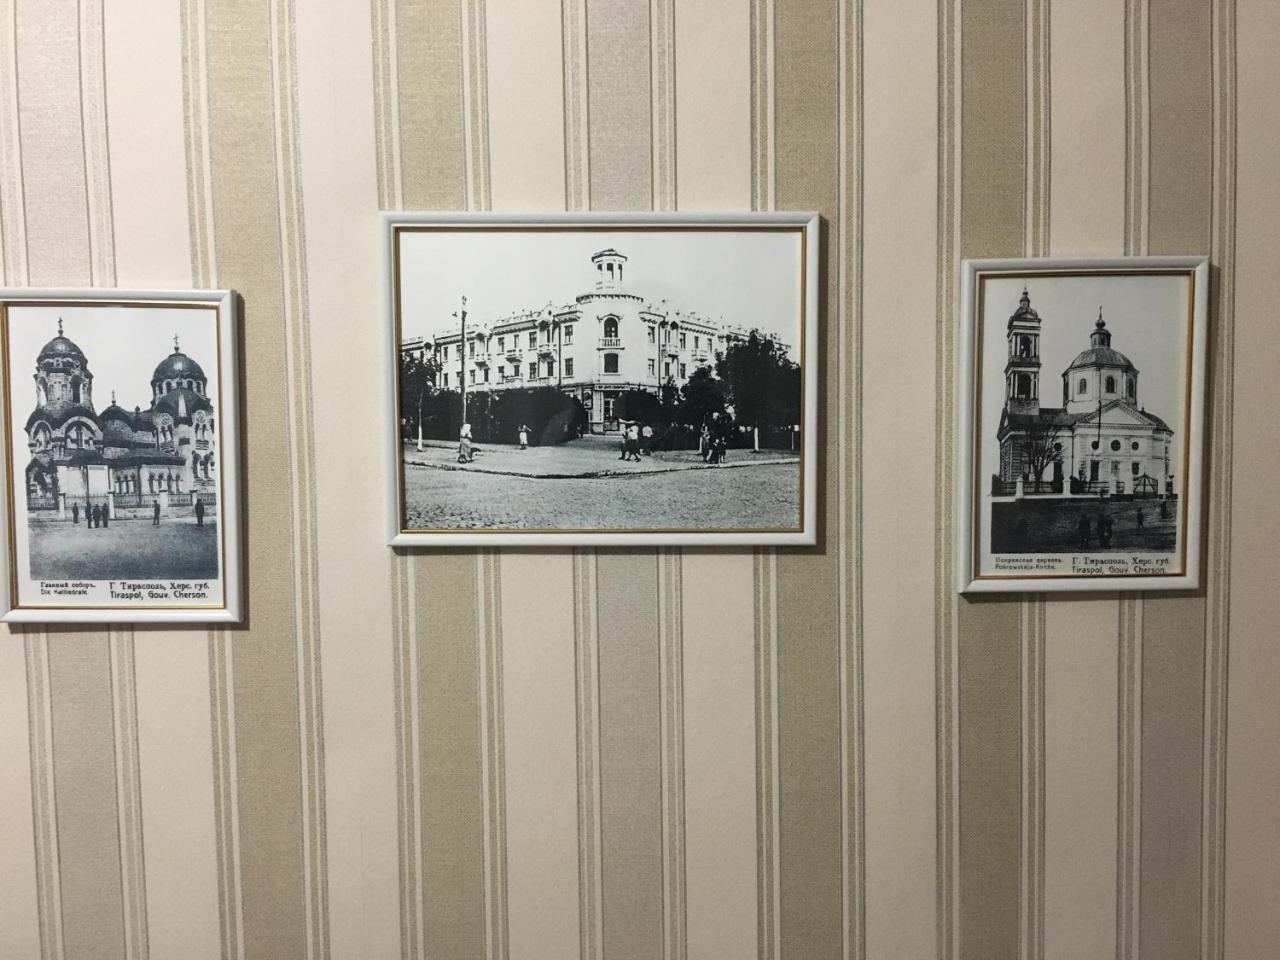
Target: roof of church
{"type": "Point", "coordinates": [1101, 357]}
{"type": "Point", "coordinates": [177, 366]}
{"type": "Point", "coordinates": [60, 346]}
{"type": "Point", "coordinates": [56, 414]}
{"type": "Point", "coordinates": [1059, 417]}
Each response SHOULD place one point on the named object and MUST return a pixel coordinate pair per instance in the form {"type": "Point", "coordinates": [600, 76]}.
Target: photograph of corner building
{"type": "Point", "coordinates": [1087, 460]}
{"type": "Point", "coordinates": [125, 491]}
{"type": "Point", "coordinates": [598, 378]}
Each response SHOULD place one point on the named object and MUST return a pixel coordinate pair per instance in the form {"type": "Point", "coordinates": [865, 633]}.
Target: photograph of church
{"type": "Point", "coordinates": [127, 489]}
{"type": "Point", "coordinates": [1082, 452]}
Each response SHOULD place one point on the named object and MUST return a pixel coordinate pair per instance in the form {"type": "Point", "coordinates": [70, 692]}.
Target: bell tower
{"type": "Point", "coordinates": [1022, 369]}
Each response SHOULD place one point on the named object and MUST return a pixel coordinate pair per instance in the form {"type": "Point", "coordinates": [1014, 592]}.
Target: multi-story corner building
{"type": "Point", "coordinates": [595, 347]}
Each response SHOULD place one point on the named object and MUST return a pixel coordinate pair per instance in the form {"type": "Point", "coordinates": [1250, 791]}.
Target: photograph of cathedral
{"type": "Point", "coordinates": [1085, 423]}
{"type": "Point", "coordinates": [115, 455]}
{"type": "Point", "coordinates": [625, 381]}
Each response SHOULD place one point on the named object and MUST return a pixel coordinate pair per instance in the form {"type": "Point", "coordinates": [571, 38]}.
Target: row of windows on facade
{"type": "Point", "coordinates": [81, 436]}
{"type": "Point", "coordinates": [610, 333]}
{"type": "Point", "coordinates": [1024, 388]}
{"type": "Point", "coordinates": [548, 370]}
{"type": "Point", "coordinates": [161, 482]}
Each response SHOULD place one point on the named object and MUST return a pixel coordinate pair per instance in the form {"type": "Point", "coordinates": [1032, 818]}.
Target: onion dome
{"type": "Point", "coordinates": [1025, 311]}
{"type": "Point", "coordinates": [177, 366]}
{"type": "Point", "coordinates": [117, 425]}
{"type": "Point", "coordinates": [60, 348]}
{"type": "Point", "coordinates": [1100, 353]}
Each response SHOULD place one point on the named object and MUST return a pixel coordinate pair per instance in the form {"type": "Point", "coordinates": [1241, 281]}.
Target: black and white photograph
{"type": "Point", "coordinates": [117, 448]}
{"type": "Point", "coordinates": [1084, 422]}
{"type": "Point", "coordinates": [585, 380]}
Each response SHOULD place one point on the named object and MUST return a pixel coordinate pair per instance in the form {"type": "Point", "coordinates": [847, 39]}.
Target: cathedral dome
{"type": "Point", "coordinates": [177, 366]}
{"type": "Point", "coordinates": [1101, 357]}
{"type": "Point", "coordinates": [60, 348]}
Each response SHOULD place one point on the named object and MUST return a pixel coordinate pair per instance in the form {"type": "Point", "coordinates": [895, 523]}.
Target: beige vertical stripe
{"type": "Point", "coordinates": [898, 522]}
{"type": "Point", "coordinates": [262, 687]}
{"type": "Point", "coordinates": [809, 650]}
{"type": "Point", "coordinates": [1173, 629]}
{"type": "Point", "coordinates": [619, 135]}
{"type": "Point", "coordinates": [713, 106]}
{"type": "Point", "coordinates": [1252, 842]}
{"type": "Point", "coordinates": [336, 142]}
{"type": "Point", "coordinates": [451, 791]}
{"type": "Point", "coordinates": [429, 72]}
{"type": "Point", "coordinates": [493, 754]}
{"type": "Point", "coordinates": [539, 737]}
{"type": "Point", "coordinates": [174, 747]}
{"type": "Point", "coordinates": [662, 93]}
{"type": "Point", "coordinates": [44, 799]}
{"type": "Point", "coordinates": [13, 231]}
{"type": "Point", "coordinates": [577, 143]}
{"type": "Point", "coordinates": [20, 925]}
{"type": "Point", "coordinates": [630, 755]}
{"type": "Point", "coordinates": [670, 605]}
{"type": "Point", "coordinates": [1080, 778]}
{"type": "Point", "coordinates": [768, 859]}
{"type": "Point", "coordinates": [993, 205]}
{"type": "Point", "coordinates": [719, 751]}
{"type": "Point", "coordinates": [85, 784]}
{"type": "Point", "coordinates": [526, 100]}
{"type": "Point", "coordinates": [1172, 728]}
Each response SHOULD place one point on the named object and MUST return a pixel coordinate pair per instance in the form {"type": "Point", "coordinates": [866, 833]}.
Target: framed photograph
{"type": "Point", "coordinates": [601, 378]}
{"type": "Point", "coordinates": [121, 456]}
{"type": "Point", "coordinates": [1081, 424]}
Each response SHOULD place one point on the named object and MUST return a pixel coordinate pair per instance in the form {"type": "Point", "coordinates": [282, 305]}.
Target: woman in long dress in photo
{"type": "Point", "coordinates": [465, 454]}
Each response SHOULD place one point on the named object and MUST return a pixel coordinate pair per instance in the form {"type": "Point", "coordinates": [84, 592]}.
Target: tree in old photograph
{"type": "Point", "coordinates": [1040, 449]}
{"type": "Point", "coordinates": [761, 384]}
{"type": "Point", "coordinates": [418, 375]}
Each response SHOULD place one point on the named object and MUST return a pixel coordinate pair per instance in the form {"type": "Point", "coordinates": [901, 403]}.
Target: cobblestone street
{"type": "Point", "coordinates": [586, 486]}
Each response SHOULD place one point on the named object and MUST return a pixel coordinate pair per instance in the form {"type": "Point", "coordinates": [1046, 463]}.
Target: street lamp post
{"type": "Point", "coordinates": [462, 359]}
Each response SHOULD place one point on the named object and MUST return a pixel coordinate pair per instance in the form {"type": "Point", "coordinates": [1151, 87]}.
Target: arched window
{"type": "Point", "coordinates": [1111, 384]}
{"type": "Point", "coordinates": [1082, 387]}
{"type": "Point", "coordinates": [611, 328]}
{"type": "Point", "coordinates": [610, 363]}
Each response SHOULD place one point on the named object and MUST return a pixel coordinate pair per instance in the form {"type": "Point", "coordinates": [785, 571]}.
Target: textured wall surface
{"type": "Point", "coordinates": [790, 755]}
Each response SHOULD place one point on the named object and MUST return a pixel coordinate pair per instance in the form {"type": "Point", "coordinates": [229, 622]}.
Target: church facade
{"type": "Point", "coordinates": [595, 347]}
{"type": "Point", "coordinates": [118, 458]}
{"type": "Point", "coordinates": [1100, 441]}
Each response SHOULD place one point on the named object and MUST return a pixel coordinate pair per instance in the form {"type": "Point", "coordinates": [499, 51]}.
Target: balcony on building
{"type": "Point", "coordinates": [610, 343]}
{"type": "Point", "coordinates": [546, 349]}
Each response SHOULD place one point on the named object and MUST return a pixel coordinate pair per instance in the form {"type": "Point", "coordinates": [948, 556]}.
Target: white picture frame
{"type": "Point", "coordinates": [1043, 501]}
{"type": "Point", "coordinates": [398, 262]}
{"type": "Point", "coordinates": [177, 457]}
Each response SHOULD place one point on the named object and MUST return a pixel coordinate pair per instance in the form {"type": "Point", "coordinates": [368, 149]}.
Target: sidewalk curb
{"type": "Point", "coordinates": [598, 474]}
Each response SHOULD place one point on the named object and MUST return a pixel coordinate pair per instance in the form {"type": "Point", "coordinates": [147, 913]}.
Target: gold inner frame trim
{"type": "Point", "coordinates": [802, 232]}
{"type": "Point", "coordinates": [5, 305]}
{"type": "Point", "coordinates": [980, 279]}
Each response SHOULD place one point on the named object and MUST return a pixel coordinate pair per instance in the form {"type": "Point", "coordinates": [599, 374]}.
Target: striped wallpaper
{"type": "Point", "coordinates": [783, 755]}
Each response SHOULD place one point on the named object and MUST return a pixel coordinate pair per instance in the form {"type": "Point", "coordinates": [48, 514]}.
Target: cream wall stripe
{"type": "Point", "coordinates": [339, 178]}
{"type": "Point", "coordinates": [493, 755]}
{"type": "Point", "coordinates": [538, 697]}
{"type": "Point", "coordinates": [386, 102]}
{"type": "Point", "coordinates": [20, 922]}
{"type": "Point", "coordinates": [85, 785]}
{"type": "Point", "coordinates": [586, 626]}
{"type": "Point", "coordinates": [1080, 778]}
{"type": "Point", "coordinates": [449, 650]}
{"type": "Point", "coordinates": [52, 150]}
{"type": "Point", "coordinates": [899, 274]}
{"type": "Point", "coordinates": [713, 105]}
{"type": "Point", "coordinates": [993, 217]}
{"type": "Point", "coordinates": [763, 106]}
{"type": "Point", "coordinates": [1137, 105]}
{"type": "Point", "coordinates": [1129, 781]}
{"type": "Point", "coordinates": [97, 161]}
{"type": "Point", "coordinates": [44, 800]}
{"type": "Point", "coordinates": [1088, 133]}
{"type": "Point", "coordinates": [577, 142]}
{"type": "Point", "coordinates": [808, 603]}
{"type": "Point", "coordinates": [1085, 811]}
{"type": "Point", "coordinates": [1252, 924]}
{"type": "Point", "coordinates": [475, 104]}
{"type": "Point", "coordinates": [719, 751]}
{"type": "Point", "coordinates": [1180, 52]}
{"type": "Point", "coordinates": [619, 134]}
{"type": "Point", "coordinates": [630, 755]}
{"type": "Point", "coordinates": [526, 105]}
{"type": "Point", "coordinates": [13, 231]}
{"type": "Point", "coordinates": [672, 736]}
{"type": "Point", "coordinates": [768, 859]}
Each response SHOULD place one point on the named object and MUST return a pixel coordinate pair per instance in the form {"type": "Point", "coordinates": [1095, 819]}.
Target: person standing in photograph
{"type": "Point", "coordinates": [155, 513]}
{"type": "Point", "coordinates": [633, 442]}
{"type": "Point", "coordinates": [524, 436]}
{"type": "Point", "coordinates": [646, 440]}
{"type": "Point", "coordinates": [199, 512]}
{"type": "Point", "coordinates": [75, 514]}
{"type": "Point", "coordinates": [93, 516]}
{"type": "Point", "coordinates": [465, 454]}
{"type": "Point", "coordinates": [104, 515]}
